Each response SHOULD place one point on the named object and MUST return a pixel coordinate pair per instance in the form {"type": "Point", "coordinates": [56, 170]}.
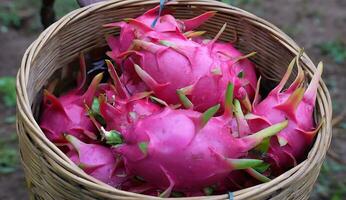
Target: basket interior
{"type": "Point", "coordinates": [87, 33]}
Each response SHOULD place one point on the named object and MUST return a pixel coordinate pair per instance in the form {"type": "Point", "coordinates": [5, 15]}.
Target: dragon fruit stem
{"type": "Point", "coordinates": [257, 95]}
{"type": "Point", "coordinates": [285, 78]}
{"type": "Point", "coordinates": [160, 101]}
{"type": "Point", "coordinates": [184, 100]}
{"type": "Point", "coordinates": [112, 137]}
{"type": "Point", "coordinates": [267, 132]}
{"type": "Point", "coordinates": [82, 66]}
{"type": "Point", "coordinates": [89, 94]}
{"type": "Point", "coordinates": [53, 100]}
{"type": "Point", "coordinates": [167, 43]}
{"type": "Point", "coordinates": [76, 143]}
{"type": "Point", "coordinates": [245, 101]}
{"type": "Point", "coordinates": [208, 114]}
{"type": "Point", "coordinates": [237, 59]}
{"type": "Point", "coordinates": [258, 176]}
{"type": "Point", "coordinates": [311, 91]}
{"type": "Point", "coordinates": [243, 126]}
{"type": "Point", "coordinates": [118, 85]}
{"type": "Point", "coordinates": [192, 34]}
{"type": "Point", "coordinates": [191, 24]}
{"type": "Point", "coordinates": [168, 191]}
{"type": "Point", "coordinates": [145, 77]}
{"type": "Point", "coordinates": [243, 163]}
{"type": "Point", "coordinates": [229, 100]}
{"type": "Point", "coordinates": [139, 25]}
{"type": "Point", "coordinates": [143, 146]}
{"type": "Point", "coordinates": [140, 95]}
{"type": "Point", "coordinates": [300, 76]}
{"type": "Point", "coordinates": [292, 103]}
{"type": "Point", "coordinates": [223, 28]}
{"type": "Point", "coordinates": [149, 46]}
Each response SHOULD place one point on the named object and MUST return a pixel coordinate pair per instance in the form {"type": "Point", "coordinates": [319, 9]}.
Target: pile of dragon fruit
{"type": "Point", "coordinates": [180, 114]}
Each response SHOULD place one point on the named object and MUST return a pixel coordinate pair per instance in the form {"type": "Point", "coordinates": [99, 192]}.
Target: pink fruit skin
{"type": "Point", "coordinates": [227, 53]}
{"type": "Point", "coordinates": [67, 114]}
{"type": "Point", "coordinates": [97, 161]}
{"type": "Point", "coordinates": [124, 114]}
{"type": "Point", "coordinates": [180, 153]}
{"type": "Point", "coordinates": [301, 128]}
{"type": "Point", "coordinates": [122, 111]}
{"type": "Point", "coordinates": [175, 69]}
{"type": "Point", "coordinates": [166, 23]}
{"type": "Point", "coordinates": [180, 62]}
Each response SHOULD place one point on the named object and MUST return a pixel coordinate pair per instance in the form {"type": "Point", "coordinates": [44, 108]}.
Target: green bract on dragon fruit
{"type": "Point", "coordinates": [175, 113]}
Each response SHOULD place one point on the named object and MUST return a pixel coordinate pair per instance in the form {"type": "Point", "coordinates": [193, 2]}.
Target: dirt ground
{"type": "Point", "coordinates": [309, 22]}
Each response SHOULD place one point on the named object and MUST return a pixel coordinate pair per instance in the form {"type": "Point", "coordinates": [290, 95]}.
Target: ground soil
{"type": "Point", "coordinates": [309, 22]}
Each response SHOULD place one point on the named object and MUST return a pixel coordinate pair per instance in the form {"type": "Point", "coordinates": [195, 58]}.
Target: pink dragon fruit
{"type": "Point", "coordinates": [169, 62]}
{"type": "Point", "coordinates": [120, 110]}
{"type": "Point", "coordinates": [187, 151]}
{"type": "Point", "coordinates": [97, 161]}
{"type": "Point", "coordinates": [165, 23]}
{"type": "Point", "coordinates": [295, 104]}
{"type": "Point", "coordinates": [242, 70]}
{"type": "Point", "coordinates": [67, 114]}
{"type": "Point", "coordinates": [193, 69]}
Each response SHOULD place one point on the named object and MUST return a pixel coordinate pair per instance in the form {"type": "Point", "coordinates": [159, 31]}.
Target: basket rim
{"type": "Point", "coordinates": [25, 114]}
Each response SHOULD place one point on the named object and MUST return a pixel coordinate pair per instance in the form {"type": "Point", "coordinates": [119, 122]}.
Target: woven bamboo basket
{"type": "Point", "coordinates": [49, 172]}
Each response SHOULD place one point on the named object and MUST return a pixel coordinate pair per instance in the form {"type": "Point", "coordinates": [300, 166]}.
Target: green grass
{"type": "Point", "coordinates": [8, 90]}
{"type": "Point", "coordinates": [8, 156]}
{"type": "Point", "coordinates": [336, 50]}
{"type": "Point", "coordinates": [11, 13]}
{"type": "Point", "coordinates": [331, 184]}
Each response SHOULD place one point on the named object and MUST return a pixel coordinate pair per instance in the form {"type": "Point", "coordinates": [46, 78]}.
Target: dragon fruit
{"type": "Point", "coordinates": [169, 62]}
{"type": "Point", "coordinates": [202, 146]}
{"type": "Point", "coordinates": [181, 114]}
{"type": "Point", "coordinates": [97, 161]}
{"type": "Point", "coordinates": [67, 114]}
{"type": "Point", "coordinates": [242, 70]}
{"type": "Point", "coordinates": [120, 110]}
{"type": "Point", "coordinates": [295, 104]}
{"type": "Point", "coordinates": [165, 23]}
